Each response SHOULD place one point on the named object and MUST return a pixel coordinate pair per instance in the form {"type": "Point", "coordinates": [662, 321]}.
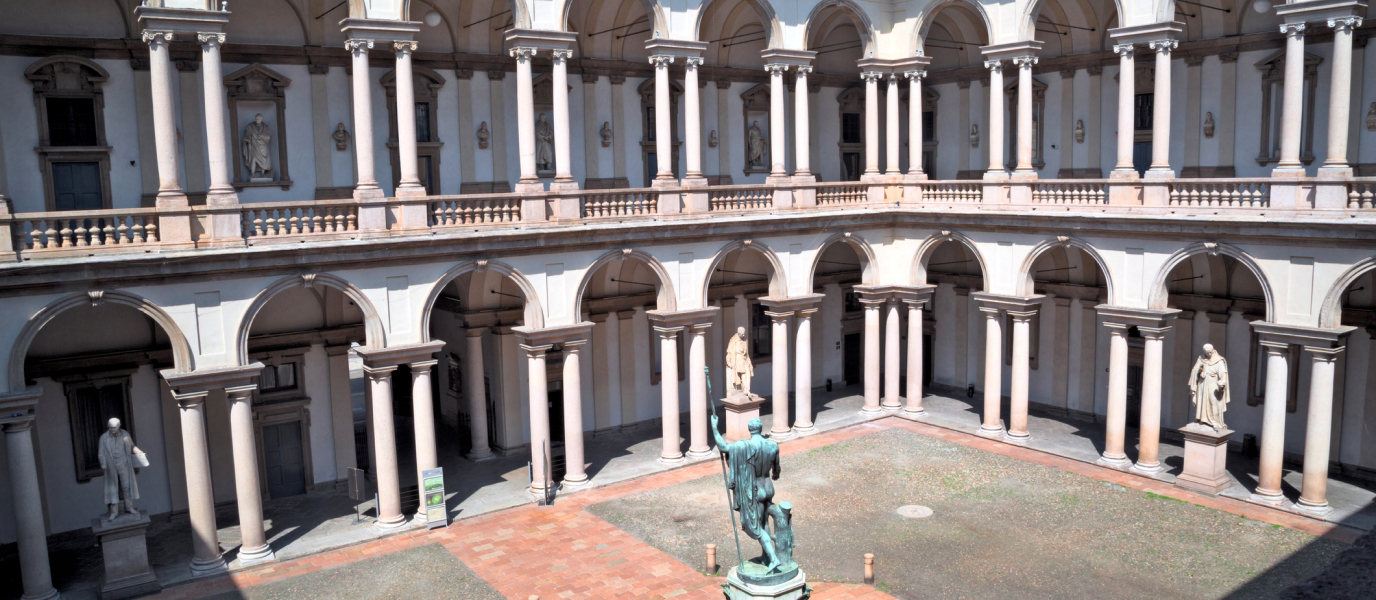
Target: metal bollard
{"type": "Point", "coordinates": [711, 559]}
{"type": "Point", "coordinates": [869, 569]}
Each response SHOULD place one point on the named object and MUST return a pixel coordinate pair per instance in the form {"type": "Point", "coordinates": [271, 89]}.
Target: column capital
{"type": "Point", "coordinates": [667, 333]}
{"type": "Point", "coordinates": [241, 392]}
{"type": "Point", "coordinates": [536, 351]}
{"type": "Point", "coordinates": [560, 55]}
{"type": "Point", "coordinates": [1124, 50]}
{"type": "Point", "coordinates": [692, 62]}
{"type": "Point", "coordinates": [683, 318]}
{"type": "Point", "coordinates": [1154, 333]}
{"type": "Point", "coordinates": [1292, 29]}
{"type": "Point", "coordinates": [1345, 23]}
{"type": "Point", "coordinates": [806, 313]}
{"type": "Point", "coordinates": [153, 37]}
{"type": "Point", "coordinates": [1022, 316]}
{"type": "Point", "coordinates": [775, 69]}
{"type": "Point", "coordinates": [523, 52]}
{"type": "Point", "coordinates": [1324, 354]}
{"type": "Point", "coordinates": [802, 70]}
{"type": "Point", "coordinates": [554, 335]}
{"type": "Point", "coordinates": [994, 65]}
{"type": "Point", "coordinates": [1274, 346]}
{"type": "Point", "coordinates": [405, 47]}
{"type": "Point", "coordinates": [1163, 45]}
{"type": "Point", "coordinates": [779, 316]}
{"type": "Point", "coordinates": [1025, 61]}
{"type": "Point", "coordinates": [210, 38]}
{"type": "Point", "coordinates": [991, 312]}
{"type": "Point", "coordinates": [661, 61]}
{"type": "Point", "coordinates": [190, 399]}
{"type": "Point", "coordinates": [378, 373]}
{"type": "Point", "coordinates": [1136, 317]}
{"type": "Point", "coordinates": [915, 76]}
{"type": "Point", "coordinates": [399, 355]}
{"type": "Point", "coordinates": [475, 331]}
{"type": "Point", "coordinates": [1117, 329]}
{"type": "Point", "coordinates": [188, 384]}
{"type": "Point", "coordinates": [791, 303]}
{"type": "Point", "coordinates": [357, 45]}
{"type": "Point", "coordinates": [573, 345]}
{"type": "Point", "coordinates": [420, 365]}
{"type": "Point", "coordinates": [1300, 336]}
{"type": "Point", "coordinates": [871, 76]}
{"type": "Point", "coordinates": [1008, 303]}
{"type": "Point", "coordinates": [19, 408]}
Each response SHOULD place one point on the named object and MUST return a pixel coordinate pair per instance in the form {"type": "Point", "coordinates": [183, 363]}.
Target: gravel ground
{"type": "Point", "coordinates": [426, 572]}
{"type": "Point", "coordinates": [1351, 576]}
{"type": "Point", "coordinates": [1001, 528]}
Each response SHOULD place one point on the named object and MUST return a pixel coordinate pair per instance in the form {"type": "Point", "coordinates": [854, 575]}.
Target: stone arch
{"type": "Point", "coordinates": [100, 76]}
{"type": "Point", "coordinates": [1027, 21]}
{"type": "Point", "coordinates": [857, 16]}
{"type": "Point", "coordinates": [182, 356]}
{"type": "Point", "coordinates": [767, 14]}
{"type": "Point", "coordinates": [1331, 311]}
{"type": "Point", "coordinates": [375, 333]}
{"type": "Point", "coordinates": [666, 298]}
{"type": "Point", "coordinates": [534, 313]}
{"type": "Point", "coordinates": [778, 282]}
{"type": "Point", "coordinates": [928, 16]}
{"type": "Point", "coordinates": [1024, 284]}
{"type": "Point", "coordinates": [929, 245]}
{"type": "Point", "coordinates": [869, 274]}
{"type": "Point", "coordinates": [1160, 295]}
{"type": "Point", "coordinates": [653, 8]}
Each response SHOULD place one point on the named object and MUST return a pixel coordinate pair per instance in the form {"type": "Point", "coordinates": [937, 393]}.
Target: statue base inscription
{"type": "Point", "coordinates": [740, 409]}
{"type": "Point", "coordinates": [1206, 458]}
{"type": "Point", "coordinates": [740, 586]}
{"type": "Point", "coordinates": [124, 547]}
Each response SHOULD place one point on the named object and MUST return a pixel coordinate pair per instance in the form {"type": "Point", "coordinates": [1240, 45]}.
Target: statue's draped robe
{"type": "Point", "coordinates": [750, 463]}
{"type": "Point", "coordinates": [738, 364]}
{"type": "Point", "coordinates": [544, 146]}
{"type": "Point", "coordinates": [756, 146]}
{"type": "Point", "coordinates": [1210, 398]}
{"type": "Point", "coordinates": [117, 458]}
{"type": "Point", "coordinates": [256, 157]}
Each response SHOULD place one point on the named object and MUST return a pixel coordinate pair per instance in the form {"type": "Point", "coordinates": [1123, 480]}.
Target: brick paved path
{"type": "Point", "coordinates": [564, 551]}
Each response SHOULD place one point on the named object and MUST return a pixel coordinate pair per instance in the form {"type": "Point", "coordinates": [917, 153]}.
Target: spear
{"type": "Point", "coordinates": [707, 374]}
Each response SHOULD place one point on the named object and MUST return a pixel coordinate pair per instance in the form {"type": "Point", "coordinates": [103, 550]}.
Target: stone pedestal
{"type": "Point", "coordinates": [1206, 458]}
{"type": "Point", "coordinates": [125, 550]}
{"type": "Point", "coordinates": [740, 409]}
{"type": "Point", "coordinates": [795, 588]}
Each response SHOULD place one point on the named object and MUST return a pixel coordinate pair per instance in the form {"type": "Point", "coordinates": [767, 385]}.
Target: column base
{"type": "Point", "coordinates": [1128, 173]}
{"type": "Point", "coordinates": [696, 454]}
{"type": "Point", "coordinates": [917, 413]}
{"type": "Point", "coordinates": [1295, 171]}
{"type": "Point", "coordinates": [802, 430]}
{"type": "Point", "coordinates": [538, 494]}
{"type": "Point", "coordinates": [412, 190]}
{"type": "Point", "coordinates": [664, 181]}
{"type": "Point", "coordinates": [781, 435]}
{"type": "Point", "coordinates": [572, 483]}
{"type": "Point", "coordinates": [1339, 171]}
{"type": "Point", "coordinates": [1159, 173]}
{"type": "Point", "coordinates": [259, 555]}
{"type": "Point", "coordinates": [1268, 498]}
{"type": "Point", "coordinates": [996, 175]}
{"type": "Point", "coordinates": [482, 455]}
{"type": "Point", "coordinates": [987, 431]}
{"type": "Point", "coordinates": [391, 525]}
{"type": "Point", "coordinates": [1150, 470]}
{"type": "Point", "coordinates": [671, 460]}
{"type": "Point", "coordinates": [52, 595]}
{"type": "Point", "coordinates": [1024, 175]}
{"type": "Point", "coordinates": [1114, 462]}
{"type": "Point", "coordinates": [206, 568]}
{"type": "Point", "coordinates": [1317, 511]}
{"type": "Point", "coordinates": [1019, 438]}
{"type": "Point", "coordinates": [529, 187]}
{"type": "Point", "coordinates": [891, 404]}
{"type": "Point", "coordinates": [369, 193]}
{"type": "Point", "coordinates": [563, 185]}
{"type": "Point", "coordinates": [872, 412]}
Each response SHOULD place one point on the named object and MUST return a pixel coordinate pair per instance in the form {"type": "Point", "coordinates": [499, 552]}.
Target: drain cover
{"type": "Point", "coordinates": [914, 511]}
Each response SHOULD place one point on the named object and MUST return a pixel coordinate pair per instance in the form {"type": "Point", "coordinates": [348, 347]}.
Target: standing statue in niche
{"type": "Point", "coordinates": [257, 158]}
{"type": "Point", "coordinates": [738, 367]}
{"type": "Point", "coordinates": [1209, 388]}
{"type": "Point", "coordinates": [118, 458]}
{"type": "Point", "coordinates": [544, 145]}
{"type": "Point", "coordinates": [756, 144]}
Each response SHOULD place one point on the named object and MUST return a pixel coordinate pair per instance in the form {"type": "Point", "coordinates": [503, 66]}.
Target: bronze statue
{"type": "Point", "coordinates": [752, 467]}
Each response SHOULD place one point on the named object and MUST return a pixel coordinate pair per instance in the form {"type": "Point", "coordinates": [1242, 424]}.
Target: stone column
{"type": "Point", "coordinates": [778, 338]}
{"type": "Point", "coordinates": [213, 81]}
{"type": "Point", "coordinates": [423, 421]}
{"type": "Point", "coordinates": [1127, 96]}
{"type": "Point", "coordinates": [525, 114]}
{"type": "Point", "coordinates": [993, 368]}
{"type": "Point", "coordinates": [170, 193]}
{"type": "Point", "coordinates": [664, 144]}
{"type": "Point", "coordinates": [475, 391]}
{"type": "Point", "coordinates": [892, 328]}
{"type": "Point", "coordinates": [205, 541]}
{"type": "Point", "coordinates": [871, 123]}
{"type": "Point", "coordinates": [1318, 429]}
{"type": "Point", "coordinates": [1161, 112]}
{"type": "Point", "coordinates": [668, 393]}
{"type": "Point", "coordinates": [1291, 104]}
{"type": "Point", "coordinates": [692, 98]}
{"type": "Point", "coordinates": [995, 133]}
{"type": "Point", "coordinates": [573, 413]}
{"type": "Point", "coordinates": [1149, 432]}
{"type": "Point", "coordinates": [1024, 169]}
{"type": "Point", "coordinates": [914, 407]}
{"type": "Point", "coordinates": [253, 548]}
{"type": "Point", "coordinates": [34, 571]}
{"type": "Point", "coordinates": [1116, 421]}
{"type": "Point", "coordinates": [802, 373]}
{"type": "Point", "coordinates": [379, 388]}
{"type": "Point", "coordinates": [892, 142]}
{"type": "Point", "coordinates": [1339, 101]}
{"type": "Point", "coordinates": [366, 187]}
{"type": "Point", "coordinates": [697, 392]}
{"type": "Point", "coordinates": [802, 149]}
{"type": "Point", "coordinates": [563, 156]}
{"type": "Point", "coordinates": [778, 140]}
{"type": "Point", "coordinates": [915, 140]}
{"type": "Point", "coordinates": [872, 356]}
{"type": "Point", "coordinates": [1018, 392]}
{"type": "Point", "coordinates": [406, 122]}
{"type": "Point", "coordinates": [538, 384]}
{"type": "Point", "coordinates": [1270, 470]}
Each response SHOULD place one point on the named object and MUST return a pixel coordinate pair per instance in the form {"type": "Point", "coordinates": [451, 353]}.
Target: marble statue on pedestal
{"type": "Point", "coordinates": [118, 458]}
{"type": "Point", "coordinates": [738, 367]}
{"type": "Point", "coordinates": [257, 158]}
{"type": "Point", "coordinates": [756, 145]}
{"type": "Point", "coordinates": [1209, 388]}
{"type": "Point", "coordinates": [544, 145]}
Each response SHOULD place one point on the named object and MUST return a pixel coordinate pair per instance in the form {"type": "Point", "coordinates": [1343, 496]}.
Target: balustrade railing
{"type": "Point", "coordinates": [97, 229]}
{"type": "Point", "coordinates": [1070, 192]}
{"type": "Point", "coordinates": [953, 191]}
{"type": "Point", "coordinates": [448, 211]}
{"type": "Point", "coordinates": [739, 197]}
{"type": "Point", "coordinates": [620, 203]}
{"type": "Point", "coordinates": [1361, 194]}
{"type": "Point", "coordinates": [1222, 193]}
{"type": "Point", "coordinates": [286, 219]}
{"type": "Point", "coordinates": [839, 194]}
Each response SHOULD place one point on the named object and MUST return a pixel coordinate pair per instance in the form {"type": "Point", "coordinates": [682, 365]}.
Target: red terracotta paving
{"type": "Point", "coordinates": [564, 551]}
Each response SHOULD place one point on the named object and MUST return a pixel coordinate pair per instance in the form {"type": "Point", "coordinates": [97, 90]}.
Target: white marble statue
{"type": "Point", "coordinates": [756, 145]}
{"type": "Point", "coordinates": [544, 145]}
{"type": "Point", "coordinates": [1209, 388]}
{"type": "Point", "coordinates": [118, 458]}
{"type": "Point", "coordinates": [738, 367]}
{"type": "Point", "coordinates": [257, 158]}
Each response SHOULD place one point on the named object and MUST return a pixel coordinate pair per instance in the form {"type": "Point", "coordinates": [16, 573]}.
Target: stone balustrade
{"type": "Point", "coordinates": [83, 233]}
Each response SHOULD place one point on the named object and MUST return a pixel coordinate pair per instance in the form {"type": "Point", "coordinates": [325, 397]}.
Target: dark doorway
{"type": "Point", "coordinates": [556, 431]}
{"type": "Point", "coordinates": [1141, 157]}
{"type": "Point", "coordinates": [1134, 395]}
{"type": "Point", "coordinates": [426, 168]}
{"type": "Point", "coordinates": [850, 166]}
{"type": "Point", "coordinates": [282, 454]}
{"type": "Point", "coordinates": [76, 186]}
{"type": "Point", "coordinates": [853, 358]}
{"type": "Point", "coordinates": [927, 359]}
